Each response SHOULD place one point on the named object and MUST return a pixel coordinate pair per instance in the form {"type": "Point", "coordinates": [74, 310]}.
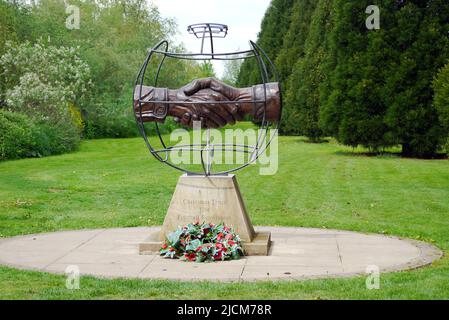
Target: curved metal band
{"type": "Point", "coordinates": [254, 151]}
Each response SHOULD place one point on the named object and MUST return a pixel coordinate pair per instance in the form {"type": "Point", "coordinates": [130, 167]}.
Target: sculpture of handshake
{"type": "Point", "coordinates": [210, 101]}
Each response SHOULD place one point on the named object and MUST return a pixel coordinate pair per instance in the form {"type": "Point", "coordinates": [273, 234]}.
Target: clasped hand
{"type": "Point", "coordinates": [195, 102]}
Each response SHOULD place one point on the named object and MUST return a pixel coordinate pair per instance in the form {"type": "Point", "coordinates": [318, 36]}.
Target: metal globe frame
{"type": "Point", "coordinates": [267, 71]}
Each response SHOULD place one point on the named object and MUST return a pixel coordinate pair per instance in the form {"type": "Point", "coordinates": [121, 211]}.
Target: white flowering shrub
{"type": "Point", "coordinates": [43, 80]}
{"type": "Point", "coordinates": [42, 86]}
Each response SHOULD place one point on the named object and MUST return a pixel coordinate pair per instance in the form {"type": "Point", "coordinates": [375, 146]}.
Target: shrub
{"type": "Point", "coordinates": [446, 147]}
{"type": "Point", "coordinates": [16, 136]}
{"type": "Point", "coordinates": [116, 120]}
{"type": "Point", "coordinates": [21, 137]}
{"type": "Point", "coordinates": [109, 120]}
{"type": "Point", "coordinates": [43, 80]}
{"type": "Point", "coordinates": [51, 139]}
{"type": "Point", "coordinates": [441, 100]}
{"type": "Point", "coordinates": [441, 96]}
{"type": "Point", "coordinates": [42, 84]}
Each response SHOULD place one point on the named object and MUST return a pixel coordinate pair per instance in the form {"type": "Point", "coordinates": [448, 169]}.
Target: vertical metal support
{"type": "Point", "coordinates": [202, 40]}
{"type": "Point", "coordinates": [211, 41]}
{"type": "Point", "coordinates": [207, 151]}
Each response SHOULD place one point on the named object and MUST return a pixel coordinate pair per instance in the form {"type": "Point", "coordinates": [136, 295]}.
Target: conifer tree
{"type": "Point", "coordinates": [303, 95]}
{"type": "Point", "coordinates": [353, 111]}
{"type": "Point", "coordinates": [441, 97]}
{"type": "Point", "coordinates": [274, 25]}
{"type": "Point", "coordinates": [380, 82]}
{"type": "Point", "coordinates": [293, 45]}
{"type": "Point", "coordinates": [422, 48]}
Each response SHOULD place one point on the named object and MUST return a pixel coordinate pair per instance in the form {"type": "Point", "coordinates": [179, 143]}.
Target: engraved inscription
{"type": "Point", "coordinates": [202, 206]}
{"type": "Point", "coordinates": [203, 203]}
{"type": "Point", "coordinates": [202, 217]}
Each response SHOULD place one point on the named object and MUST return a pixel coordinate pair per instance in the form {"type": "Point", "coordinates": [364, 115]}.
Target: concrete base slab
{"type": "Point", "coordinates": [151, 245]}
{"type": "Point", "coordinates": [295, 253]}
{"type": "Point", "coordinates": [259, 245]}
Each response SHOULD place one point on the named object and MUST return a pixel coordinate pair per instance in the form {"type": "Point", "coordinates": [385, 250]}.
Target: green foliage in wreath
{"type": "Point", "coordinates": [204, 242]}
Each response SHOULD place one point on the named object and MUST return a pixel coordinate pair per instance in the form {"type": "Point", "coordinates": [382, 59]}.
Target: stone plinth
{"type": "Point", "coordinates": [213, 199]}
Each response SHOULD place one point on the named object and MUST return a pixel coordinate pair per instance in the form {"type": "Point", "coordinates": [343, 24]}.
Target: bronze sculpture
{"type": "Point", "coordinates": [210, 194]}
{"type": "Point", "coordinates": [210, 101]}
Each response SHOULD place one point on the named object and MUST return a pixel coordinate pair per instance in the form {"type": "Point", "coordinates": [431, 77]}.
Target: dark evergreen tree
{"type": "Point", "coordinates": [293, 45]}
{"type": "Point", "coordinates": [441, 97]}
{"type": "Point", "coordinates": [303, 95]}
{"type": "Point", "coordinates": [274, 25]}
{"type": "Point", "coordinates": [380, 80]}
{"type": "Point", "coordinates": [353, 112]}
{"type": "Point", "coordinates": [422, 48]}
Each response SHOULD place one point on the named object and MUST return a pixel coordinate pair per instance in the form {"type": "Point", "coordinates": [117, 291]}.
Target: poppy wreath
{"type": "Point", "coordinates": [202, 242]}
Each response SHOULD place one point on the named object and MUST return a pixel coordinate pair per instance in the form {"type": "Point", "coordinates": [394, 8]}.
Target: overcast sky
{"type": "Point", "coordinates": [243, 18]}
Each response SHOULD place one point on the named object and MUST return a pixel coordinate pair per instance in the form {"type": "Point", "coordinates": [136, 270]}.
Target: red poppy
{"type": "Point", "coordinates": [171, 249]}
{"type": "Point", "coordinates": [190, 256]}
{"type": "Point", "coordinates": [218, 255]}
{"type": "Point", "coordinates": [164, 246]}
{"type": "Point", "coordinates": [219, 236]}
{"type": "Point", "coordinates": [231, 243]}
{"type": "Point", "coordinates": [218, 245]}
{"type": "Point", "coordinates": [199, 248]}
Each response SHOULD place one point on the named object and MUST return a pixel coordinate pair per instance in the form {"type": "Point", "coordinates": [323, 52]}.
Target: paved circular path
{"type": "Point", "coordinates": [296, 253]}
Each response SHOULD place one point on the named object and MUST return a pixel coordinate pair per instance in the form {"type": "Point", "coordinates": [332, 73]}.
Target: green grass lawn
{"type": "Point", "coordinates": [116, 183]}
